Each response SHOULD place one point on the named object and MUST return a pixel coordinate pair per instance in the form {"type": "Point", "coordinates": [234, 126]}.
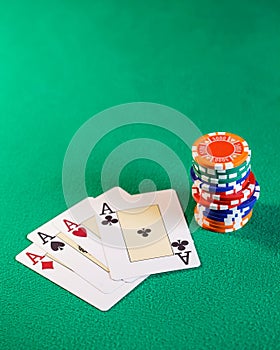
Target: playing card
{"type": "Point", "coordinates": [77, 227]}
{"type": "Point", "coordinates": [144, 234]}
{"type": "Point", "coordinates": [47, 238]}
{"type": "Point", "coordinates": [37, 260]}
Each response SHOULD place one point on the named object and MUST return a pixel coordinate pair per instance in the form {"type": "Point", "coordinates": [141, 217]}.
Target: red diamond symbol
{"type": "Point", "coordinates": [47, 265]}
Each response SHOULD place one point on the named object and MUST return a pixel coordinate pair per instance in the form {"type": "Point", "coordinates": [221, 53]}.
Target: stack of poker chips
{"type": "Point", "coordinates": [224, 187]}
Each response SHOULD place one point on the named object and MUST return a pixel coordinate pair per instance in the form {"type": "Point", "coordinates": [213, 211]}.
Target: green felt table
{"type": "Point", "coordinates": [218, 63]}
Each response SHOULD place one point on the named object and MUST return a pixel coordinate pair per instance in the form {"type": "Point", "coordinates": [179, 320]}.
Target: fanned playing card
{"type": "Point", "coordinates": [44, 264]}
{"type": "Point", "coordinates": [77, 227]}
{"type": "Point", "coordinates": [144, 234]}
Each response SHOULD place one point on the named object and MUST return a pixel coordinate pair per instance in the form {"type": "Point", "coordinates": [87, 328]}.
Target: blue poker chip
{"type": "Point", "coordinates": [219, 188]}
{"type": "Point", "coordinates": [226, 217]}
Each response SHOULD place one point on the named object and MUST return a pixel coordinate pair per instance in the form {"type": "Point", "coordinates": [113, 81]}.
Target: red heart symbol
{"type": "Point", "coordinates": [81, 232]}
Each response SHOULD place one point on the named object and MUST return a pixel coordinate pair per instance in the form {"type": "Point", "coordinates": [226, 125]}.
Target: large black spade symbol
{"type": "Point", "coordinates": [57, 246]}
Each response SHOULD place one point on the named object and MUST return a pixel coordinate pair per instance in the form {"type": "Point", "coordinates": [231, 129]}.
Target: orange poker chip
{"type": "Point", "coordinates": [220, 150]}
{"type": "Point", "coordinates": [218, 224]}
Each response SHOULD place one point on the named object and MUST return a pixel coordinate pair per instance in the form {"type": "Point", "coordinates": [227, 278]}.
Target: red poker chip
{"type": "Point", "coordinates": [227, 198]}
{"type": "Point", "coordinates": [221, 204]}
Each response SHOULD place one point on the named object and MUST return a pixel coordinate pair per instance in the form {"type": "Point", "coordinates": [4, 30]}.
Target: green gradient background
{"type": "Point", "coordinates": [62, 62]}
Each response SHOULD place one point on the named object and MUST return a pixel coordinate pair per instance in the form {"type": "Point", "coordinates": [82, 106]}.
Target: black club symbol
{"type": "Point", "coordinates": [144, 232]}
{"type": "Point", "coordinates": [180, 245]}
{"type": "Point", "coordinates": [109, 220]}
